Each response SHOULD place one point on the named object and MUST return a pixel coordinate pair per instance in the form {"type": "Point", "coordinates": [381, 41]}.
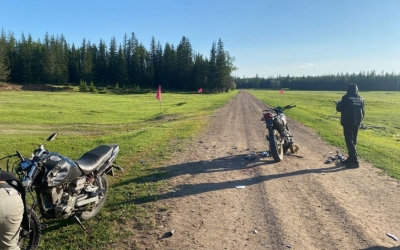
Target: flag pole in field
{"type": "Point", "coordinates": [158, 95]}
{"type": "Point", "coordinates": [200, 91]}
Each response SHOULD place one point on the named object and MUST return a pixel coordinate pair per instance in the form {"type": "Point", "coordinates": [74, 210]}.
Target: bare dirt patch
{"type": "Point", "coordinates": [299, 203]}
{"type": "Point", "coordinates": [33, 87]}
{"type": "Point", "coordinates": [9, 87]}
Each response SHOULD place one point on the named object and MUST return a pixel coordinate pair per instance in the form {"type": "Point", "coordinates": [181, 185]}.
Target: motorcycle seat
{"type": "Point", "coordinates": [94, 158]}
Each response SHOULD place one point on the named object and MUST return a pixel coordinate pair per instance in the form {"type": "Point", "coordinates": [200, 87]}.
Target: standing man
{"type": "Point", "coordinates": [352, 113]}
{"type": "Point", "coordinates": [12, 210]}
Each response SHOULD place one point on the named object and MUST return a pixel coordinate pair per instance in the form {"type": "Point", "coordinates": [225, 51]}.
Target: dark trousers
{"type": "Point", "coordinates": [350, 136]}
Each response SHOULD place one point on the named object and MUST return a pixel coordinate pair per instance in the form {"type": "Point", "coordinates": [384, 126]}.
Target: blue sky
{"type": "Point", "coordinates": [268, 38]}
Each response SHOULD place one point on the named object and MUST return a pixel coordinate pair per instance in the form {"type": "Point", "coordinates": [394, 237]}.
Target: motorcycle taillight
{"type": "Point", "coordinates": [267, 116]}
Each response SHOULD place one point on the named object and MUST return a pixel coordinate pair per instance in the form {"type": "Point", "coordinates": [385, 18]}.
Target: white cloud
{"type": "Point", "coordinates": [306, 65]}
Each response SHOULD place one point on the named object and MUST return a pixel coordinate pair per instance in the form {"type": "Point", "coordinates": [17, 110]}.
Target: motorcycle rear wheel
{"type": "Point", "coordinates": [274, 145]}
{"type": "Point", "coordinates": [31, 241]}
{"type": "Point", "coordinates": [95, 209]}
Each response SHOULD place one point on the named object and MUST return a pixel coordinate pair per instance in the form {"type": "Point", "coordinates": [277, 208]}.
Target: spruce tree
{"type": "Point", "coordinates": [169, 67]}
{"type": "Point", "coordinates": [4, 64]}
{"type": "Point", "coordinates": [184, 63]}
{"type": "Point", "coordinates": [212, 69]}
{"type": "Point", "coordinates": [4, 71]}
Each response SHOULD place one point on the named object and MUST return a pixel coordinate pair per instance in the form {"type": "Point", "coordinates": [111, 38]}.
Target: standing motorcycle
{"type": "Point", "coordinates": [64, 188]}
{"type": "Point", "coordinates": [279, 137]}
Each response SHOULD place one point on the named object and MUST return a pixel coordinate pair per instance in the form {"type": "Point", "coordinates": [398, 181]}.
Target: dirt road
{"type": "Point", "coordinates": [299, 203]}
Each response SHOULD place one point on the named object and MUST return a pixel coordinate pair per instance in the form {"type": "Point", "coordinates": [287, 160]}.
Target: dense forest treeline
{"type": "Point", "coordinates": [366, 81]}
{"type": "Point", "coordinates": [131, 65]}
{"type": "Point", "coordinates": [128, 65]}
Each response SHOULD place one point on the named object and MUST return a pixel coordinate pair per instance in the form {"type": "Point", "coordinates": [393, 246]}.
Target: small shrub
{"type": "Point", "coordinates": [83, 86]}
{"type": "Point", "coordinates": [92, 88]}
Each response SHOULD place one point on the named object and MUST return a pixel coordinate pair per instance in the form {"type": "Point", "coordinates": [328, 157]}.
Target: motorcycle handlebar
{"type": "Point", "coordinates": [20, 156]}
{"type": "Point", "coordinates": [280, 109]}
{"type": "Point", "coordinates": [289, 106]}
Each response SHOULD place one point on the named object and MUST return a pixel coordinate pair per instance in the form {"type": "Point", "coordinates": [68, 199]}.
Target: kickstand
{"type": "Point", "coordinates": [80, 223]}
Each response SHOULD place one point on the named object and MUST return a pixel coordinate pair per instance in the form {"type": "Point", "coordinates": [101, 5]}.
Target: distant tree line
{"type": "Point", "coordinates": [128, 65]}
{"type": "Point", "coordinates": [366, 81]}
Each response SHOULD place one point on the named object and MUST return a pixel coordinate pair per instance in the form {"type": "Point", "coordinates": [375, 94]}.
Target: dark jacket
{"type": "Point", "coordinates": [15, 183]}
{"type": "Point", "coordinates": [351, 107]}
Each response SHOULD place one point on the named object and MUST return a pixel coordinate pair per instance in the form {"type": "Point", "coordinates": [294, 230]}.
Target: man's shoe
{"type": "Point", "coordinates": [347, 161]}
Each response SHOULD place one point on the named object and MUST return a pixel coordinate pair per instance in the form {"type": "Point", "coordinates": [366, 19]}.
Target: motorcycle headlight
{"type": "Point", "coordinates": [57, 175]}
{"type": "Point", "coordinates": [23, 166]}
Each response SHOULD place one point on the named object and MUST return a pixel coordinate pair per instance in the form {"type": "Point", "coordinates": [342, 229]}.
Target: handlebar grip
{"type": "Point", "coordinates": [20, 156]}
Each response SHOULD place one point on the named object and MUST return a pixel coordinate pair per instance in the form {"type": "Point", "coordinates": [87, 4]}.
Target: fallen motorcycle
{"type": "Point", "coordinates": [64, 188]}
{"type": "Point", "coordinates": [279, 137]}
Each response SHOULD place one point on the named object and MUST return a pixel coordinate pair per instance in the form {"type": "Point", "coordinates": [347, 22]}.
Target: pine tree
{"type": "Point", "coordinates": [86, 61]}
{"type": "Point", "coordinates": [131, 60]}
{"type": "Point", "coordinates": [4, 71]}
{"type": "Point", "coordinates": [4, 64]}
{"type": "Point", "coordinates": [152, 63]}
{"type": "Point", "coordinates": [158, 64]}
{"type": "Point", "coordinates": [142, 58]}
{"type": "Point", "coordinates": [101, 65]}
{"type": "Point", "coordinates": [73, 65]}
{"type": "Point", "coordinates": [212, 69]}
{"type": "Point", "coordinates": [184, 63]}
{"type": "Point", "coordinates": [24, 59]}
{"type": "Point", "coordinates": [199, 72]}
{"type": "Point", "coordinates": [169, 67]}
{"type": "Point", "coordinates": [122, 72]}
{"type": "Point", "coordinates": [222, 71]}
{"type": "Point", "coordinates": [11, 54]}
{"type": "Point", "coordinates": [113, 61]}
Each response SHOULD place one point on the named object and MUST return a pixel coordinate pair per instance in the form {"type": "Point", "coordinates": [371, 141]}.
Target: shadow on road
{"type": "Point", "coordinates": [381, 248]}
{"type": "Point", "coordinates": [229, 163]}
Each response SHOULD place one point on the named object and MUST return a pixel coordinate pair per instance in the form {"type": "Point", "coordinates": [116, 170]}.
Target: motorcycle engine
{"type": "Point", "coordinates": [280, 123]}
{"type": "Point", "coordinates": [60, 201]}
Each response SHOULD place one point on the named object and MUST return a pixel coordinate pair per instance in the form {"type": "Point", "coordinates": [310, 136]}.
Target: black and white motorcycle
{"type": "Point", "coordinates": [64, 188]}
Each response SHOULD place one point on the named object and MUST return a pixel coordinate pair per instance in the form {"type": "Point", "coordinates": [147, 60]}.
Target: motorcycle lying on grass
{"type": "Point", "coordinates": [279, 137]}
{"type": "Point", "coordinates": [63, 188]}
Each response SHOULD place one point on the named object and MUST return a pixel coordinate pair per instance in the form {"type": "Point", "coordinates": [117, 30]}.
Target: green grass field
{"type": "Point", "coordinates": [379, 143]}
{"type": "Point", "coordinates": [148, 135]}
{"type": "Point", "coordinates": [147, 132]}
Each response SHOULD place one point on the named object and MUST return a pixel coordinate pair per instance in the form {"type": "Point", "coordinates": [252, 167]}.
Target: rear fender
{"type": "Point", "coordinates": [269, 123]}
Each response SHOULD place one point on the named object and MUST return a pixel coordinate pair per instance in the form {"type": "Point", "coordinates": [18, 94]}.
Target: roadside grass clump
{"type": "Point", "coordinates": [379, 137]}
{"type": "Point", "coordinates": [147, 131]}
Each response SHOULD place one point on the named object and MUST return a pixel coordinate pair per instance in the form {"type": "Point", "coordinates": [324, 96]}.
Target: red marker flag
{"type": "Point", "coordinates": [281, 92]}
{"type": "Point", "coordinates": [200, 90]}
{"type": "Point", "coordinates": [158, 95]}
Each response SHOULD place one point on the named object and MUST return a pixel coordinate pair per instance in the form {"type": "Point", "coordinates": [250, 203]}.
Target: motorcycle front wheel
{"type": "Point", "coordinates": [30, 240]}
{"type": "Point", "coordinates": [274, 145]}
{"type": "Point", "coordinates": [94, 209]}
